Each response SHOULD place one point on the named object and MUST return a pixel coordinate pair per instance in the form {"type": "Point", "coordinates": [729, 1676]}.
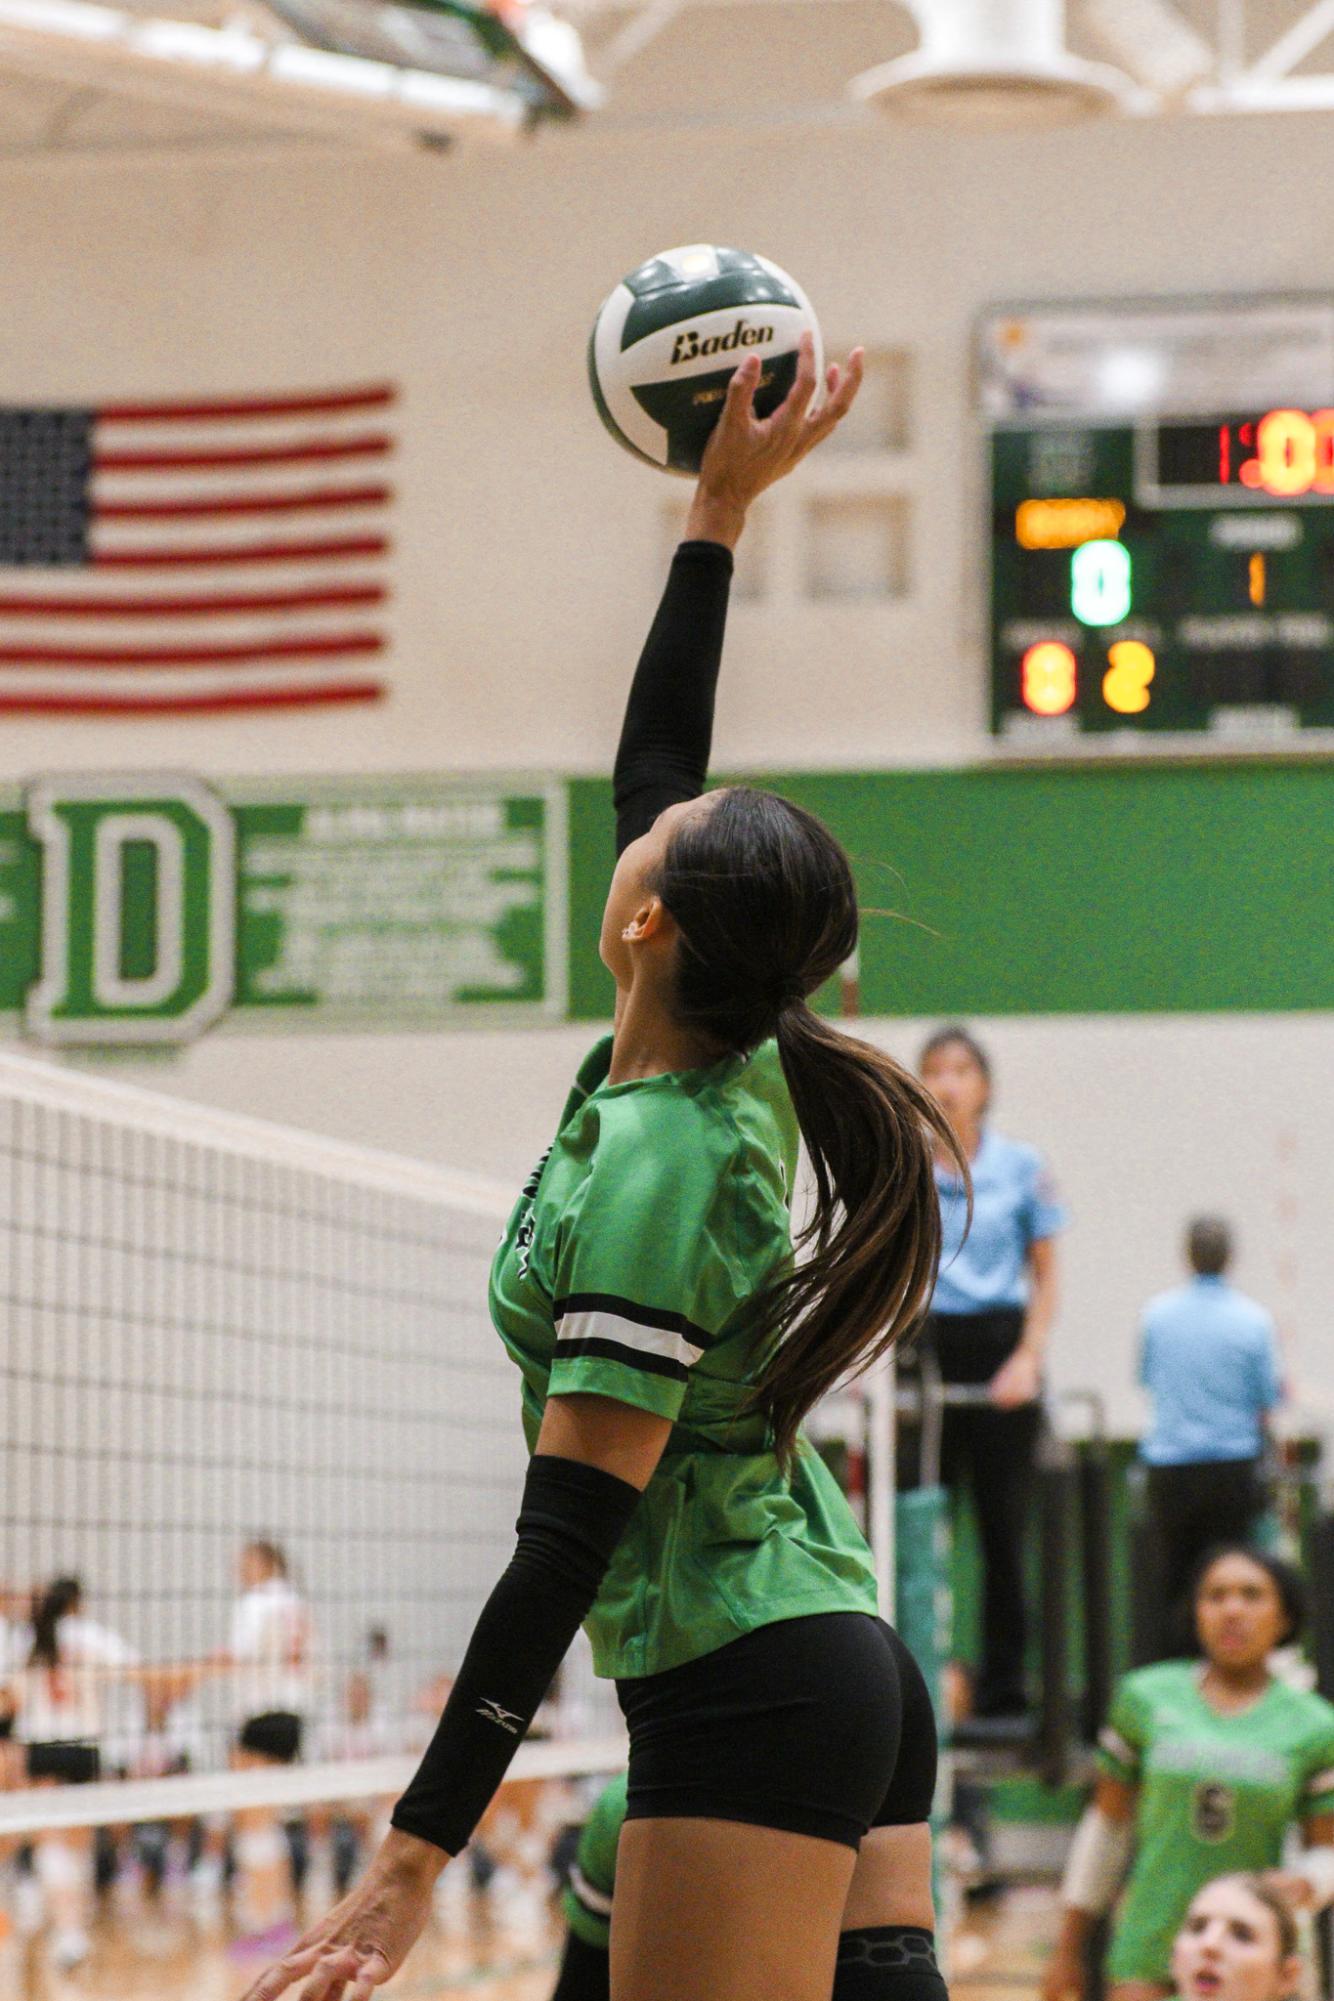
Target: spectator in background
{"type": "Point", "coordinates": [1209, 1360]}
{"type": "Point", "coordinates": [991, 1314]}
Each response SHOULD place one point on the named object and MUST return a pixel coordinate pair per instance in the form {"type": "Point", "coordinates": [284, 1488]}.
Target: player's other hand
{"type": "Point", "coordinates": [364, 1939]}
{"type": "Point", "coordinates": [747, 453]}
{"type": "Point", "coordinates": [1065, 1977]}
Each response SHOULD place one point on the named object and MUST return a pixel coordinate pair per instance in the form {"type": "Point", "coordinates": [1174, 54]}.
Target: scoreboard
{"type": "Point", "coordinates": [1161, 486]}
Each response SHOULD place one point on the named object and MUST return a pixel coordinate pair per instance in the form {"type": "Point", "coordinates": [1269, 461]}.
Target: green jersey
{"type": "Point", "coordinates": [630, 1269]}
{"type": "Point", "coordinates": [588, 1895]}
{"type": "Point", "coordinates": [1216, 1794]}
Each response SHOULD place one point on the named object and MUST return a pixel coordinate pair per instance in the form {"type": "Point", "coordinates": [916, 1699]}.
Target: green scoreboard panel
{"type": "Point", "coordinates": [1161, 488]}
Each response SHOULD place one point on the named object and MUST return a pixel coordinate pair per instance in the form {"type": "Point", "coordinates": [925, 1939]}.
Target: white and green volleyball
{"type": "Point", "coordinates": [666, 342]}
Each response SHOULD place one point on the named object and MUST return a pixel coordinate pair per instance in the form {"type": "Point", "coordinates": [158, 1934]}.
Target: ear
{"type": "Point", "coordinates": [1292, 1973]}
{"type": "Point", "coordinates": [650, 922]}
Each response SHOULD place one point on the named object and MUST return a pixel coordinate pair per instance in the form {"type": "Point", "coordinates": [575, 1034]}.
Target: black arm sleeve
{"type": "Point", "coordinates": [664, 749]}
{"type": "Point", "coordinates": [570, 1522]}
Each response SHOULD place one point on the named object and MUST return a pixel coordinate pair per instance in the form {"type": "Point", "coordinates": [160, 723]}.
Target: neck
{"type": "Point", "coordinates": [1238, 1681]}
{"type": "Point", "coordinates": [969, 1135]}
{"type": "Point", "coordinates": [648, 1042]}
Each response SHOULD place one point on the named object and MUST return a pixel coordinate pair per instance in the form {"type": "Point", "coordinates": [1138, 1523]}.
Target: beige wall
{"type": "Point", "coordinates": [530, 546]}
{"type": "Point", "coordinates": [530, 549]}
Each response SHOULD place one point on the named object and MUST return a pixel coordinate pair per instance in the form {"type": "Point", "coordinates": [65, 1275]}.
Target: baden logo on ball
{"type": "Point", "coordinates": [667, 341]}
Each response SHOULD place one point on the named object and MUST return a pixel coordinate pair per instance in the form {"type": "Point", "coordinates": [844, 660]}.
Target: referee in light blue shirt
{"type": "Point", "coordinates": [1209, 1359]}
{"type": "Point", "coordinates": [991, 1314]}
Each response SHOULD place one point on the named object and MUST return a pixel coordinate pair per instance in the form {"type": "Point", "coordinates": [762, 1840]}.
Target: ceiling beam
{"type": "Point", "coordinates": [1302, 39]}
{"type": "Point", "coordinates": [238, 74]}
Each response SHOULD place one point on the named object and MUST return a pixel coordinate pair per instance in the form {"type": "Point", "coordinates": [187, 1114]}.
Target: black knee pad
{"type": "Point", "coordinates": [888, 1963]}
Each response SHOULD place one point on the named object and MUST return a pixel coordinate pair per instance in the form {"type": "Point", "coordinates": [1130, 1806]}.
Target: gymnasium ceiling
{"type": "Point", "coordinates": [707, 63]}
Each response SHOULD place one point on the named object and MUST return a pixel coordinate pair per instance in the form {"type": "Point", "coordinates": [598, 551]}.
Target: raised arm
{"type": "Point", "coordinates": [663, 754]}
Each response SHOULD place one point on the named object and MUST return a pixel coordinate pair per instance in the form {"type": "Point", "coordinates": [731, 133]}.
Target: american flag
{"type": "Point", "coordinates": [179, 557]}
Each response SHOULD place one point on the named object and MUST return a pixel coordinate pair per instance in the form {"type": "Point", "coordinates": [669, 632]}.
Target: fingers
{"type": "Point", "coordinates": [280, 1977]}
{"type": "Point", "coordinates": [844, 392]}
{"type": "Point", "coordinates": [331, 1974]}
{"type": "Point", "coordinates": [840, 399]}
{"type": "Point", "coordinates": [740, 401]}
{"type": "Point", "coordinates": [790, 412]}
{"type": "Point", "coordinates": [374, 1970]}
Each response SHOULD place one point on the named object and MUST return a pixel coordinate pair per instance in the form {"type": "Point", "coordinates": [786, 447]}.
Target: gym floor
{"type": "Point", "coordinates": [996, 1953]}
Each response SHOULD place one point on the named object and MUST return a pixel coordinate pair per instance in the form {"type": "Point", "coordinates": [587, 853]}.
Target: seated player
{"type": "Point", "coordinates": [1205, 1765]}
{"type": "Point", "coordinates": [1238, 1943]}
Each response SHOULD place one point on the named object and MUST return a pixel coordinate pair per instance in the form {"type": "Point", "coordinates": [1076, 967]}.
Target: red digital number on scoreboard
{"type": "Point", "coordinates": [1284, 453]}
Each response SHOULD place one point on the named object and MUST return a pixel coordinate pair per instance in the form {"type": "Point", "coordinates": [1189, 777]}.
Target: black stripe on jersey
{"type": "Point", "coordinates": [616, 1351]}
{"type": "Point", "coordinates": [641, 1316]}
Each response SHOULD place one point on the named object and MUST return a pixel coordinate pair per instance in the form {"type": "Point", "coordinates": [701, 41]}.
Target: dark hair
{"type": "Point", "coordinates": [1285, 1580]}
{"type": "Point", "coordinates": [764, 900]}
{"type": "Point", "coordinates": [1208, 1245]}
{"type": "Point", "coordinates": [1281, 1912]}
{"type": "Point", "coordinates": [49, 1608]}
{"type": "Point", "coordinates": [952, 1033]}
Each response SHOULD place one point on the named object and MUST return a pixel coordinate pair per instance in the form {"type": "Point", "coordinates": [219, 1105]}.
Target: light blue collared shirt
{"type": "Point", "coordinates": [1014, 1207]}
{"type": "Point", "coordinates": [1209, 1358]}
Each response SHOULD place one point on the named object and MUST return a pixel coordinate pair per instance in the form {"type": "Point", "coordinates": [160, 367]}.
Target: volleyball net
{"type": "Point", "coordinates": [259, 1432]}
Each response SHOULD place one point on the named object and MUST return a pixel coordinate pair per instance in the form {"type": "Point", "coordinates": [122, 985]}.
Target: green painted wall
{"type": "Point", "coordinates": [1116, 890]}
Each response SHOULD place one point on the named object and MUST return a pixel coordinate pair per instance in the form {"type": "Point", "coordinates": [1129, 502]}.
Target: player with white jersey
{"type": "Point", "coordinates": [269, 1645]}
{"type": "Point", "coordinates": [268, 1649]}
{"type": "Point", "coordinates": [65, 1666]}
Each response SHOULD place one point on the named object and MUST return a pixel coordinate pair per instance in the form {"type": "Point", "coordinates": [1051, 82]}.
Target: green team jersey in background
{"type": "Point", "coordinates": [587, 1897]}
{"type": "Point", "coordinates": [629, 1270]}
{"type": "Point", "coordinates": [1216, 1794]}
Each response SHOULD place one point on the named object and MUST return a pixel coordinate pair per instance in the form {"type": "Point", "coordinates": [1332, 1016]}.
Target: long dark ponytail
{"type": "Point", "coordinates": [51, 1606]}
{"type": "Point", "coordinates": [764, 899]}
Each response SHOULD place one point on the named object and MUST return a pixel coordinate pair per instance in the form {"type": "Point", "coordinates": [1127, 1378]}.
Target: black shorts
{"type": "Point", "coordinates": [819, 1726]}
{"type": "Point", "coordinates": [72, 1763]}
{"type": "Point", "coordinates": [276, 1736]}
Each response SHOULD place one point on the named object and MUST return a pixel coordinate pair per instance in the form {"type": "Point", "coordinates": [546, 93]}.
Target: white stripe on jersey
{"type": "Point", "coordinates": [592, 1899]}
{"type": "Point", "coordinates": [1116, 1746]}
{"type": "Point", "coordinates": [602, 1326]}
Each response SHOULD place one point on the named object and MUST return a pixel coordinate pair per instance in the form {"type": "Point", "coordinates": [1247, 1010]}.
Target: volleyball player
{"type": "Point", "coordinates": [1238, 1942]}
{"type": "Point", "coordinates": [59, 1693]}
{"type": "Point", "coordinates": [669, 1351]}
{"type": "Point", "coordinates": [1205, 1766]}
{"type": "Point", "coordinates": [268, 1649]}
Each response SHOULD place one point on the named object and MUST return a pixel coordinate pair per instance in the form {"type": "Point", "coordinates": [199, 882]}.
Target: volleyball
{"type": "Point", "coordinates": [667, 340]}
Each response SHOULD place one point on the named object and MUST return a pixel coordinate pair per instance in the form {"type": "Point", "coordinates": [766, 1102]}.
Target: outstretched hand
{"type": "Point", "coordinates": [747, 453]}
{"type": "Point", "coordinates": [364, 1939]}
